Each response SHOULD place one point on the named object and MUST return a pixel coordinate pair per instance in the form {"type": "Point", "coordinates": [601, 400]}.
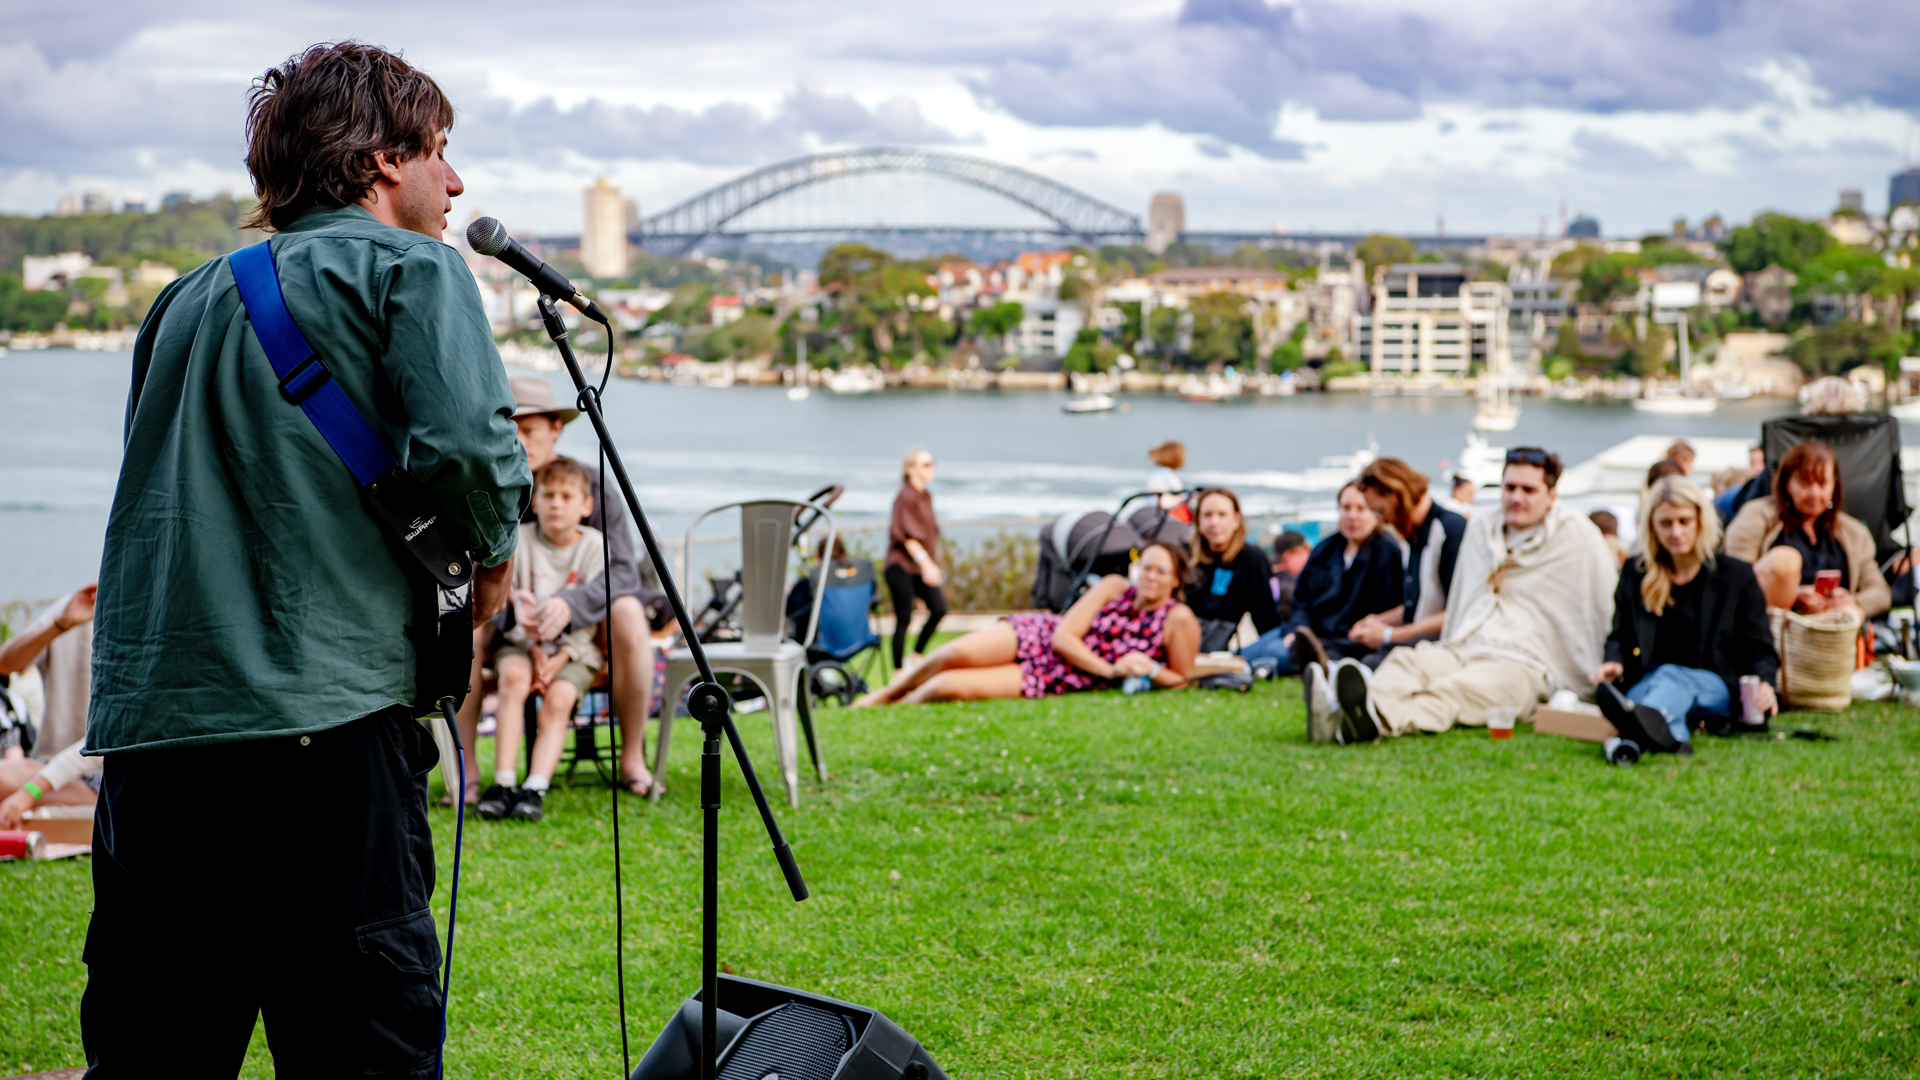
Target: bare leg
{"type": "Point", "coordinates": [556, 708]}
{"type": "Point", "coordinates": [969, 684]}
{"type": "Point", "coordinates": [516, 680]}
{"type": "Point", "coordinates": [632, 686]}
{"type": "Point", "coordinates": [469, 715]}
{"type": "Point", "coordinates": [993, 647]}
{"type": "Point", "coordinates": [1779, 574]}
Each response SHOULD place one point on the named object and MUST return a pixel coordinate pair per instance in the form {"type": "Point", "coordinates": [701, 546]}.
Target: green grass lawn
{"type": "Point", "coordinates": [1179, 885]}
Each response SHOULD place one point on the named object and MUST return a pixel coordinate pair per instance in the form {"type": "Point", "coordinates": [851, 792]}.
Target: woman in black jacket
{"type": "Point", "coordinates": [1688, 623]}
{"type": "Point", "coordinates": [1230, 577]}
{"type": "Point", "coordinates": [1349, 576]}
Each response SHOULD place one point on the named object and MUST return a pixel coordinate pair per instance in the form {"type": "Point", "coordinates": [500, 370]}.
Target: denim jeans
{"type": "Point", "coordinates": [1268, 645]}
{"type": "Point", "coordinates": [1679, 692]}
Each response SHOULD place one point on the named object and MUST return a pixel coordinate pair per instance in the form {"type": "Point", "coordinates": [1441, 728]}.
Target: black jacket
{"type": "Point", "coordinates": [1733, 617]}
{"type": "Point", "coordinates": [1244, 588]}
{"type": "Point", "coordinates": [1331, 596]}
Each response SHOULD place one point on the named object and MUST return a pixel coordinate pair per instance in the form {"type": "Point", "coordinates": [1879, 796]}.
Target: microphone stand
{"type": "Point", "coordinates": [708, 703]}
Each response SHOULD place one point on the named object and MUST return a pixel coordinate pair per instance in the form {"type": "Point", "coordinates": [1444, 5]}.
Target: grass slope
{"type": "Point", "coordinates": [1179, 885]}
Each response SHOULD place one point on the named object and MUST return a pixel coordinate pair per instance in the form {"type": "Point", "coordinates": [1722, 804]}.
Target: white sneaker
{"type": "Point", "coordinates": [1323, 718]}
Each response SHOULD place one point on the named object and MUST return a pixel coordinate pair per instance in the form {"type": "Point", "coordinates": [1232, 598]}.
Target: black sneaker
{"type": "Point", "coordinates": [528, 804]}
{"type": "Point", "coordinates": [1642, 724]}
{"type": "Point", "coordinates": [496, 802]}
{"type": "Point", "coordinates": [1351, 684]}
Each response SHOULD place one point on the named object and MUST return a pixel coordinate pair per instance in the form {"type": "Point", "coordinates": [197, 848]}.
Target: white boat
{"type": "Point", "coordinates": [1335, 470]}
{"type": "Point", "coordinates": [857, 380]}
{"type": "Point", "coordinates": [1215, 387]}
{"type": "Point", "coordinates": [798, 392]}
{"type": "Point", "coordinates": [1676, 405]}
{"type": "Point", "coordinates": [1906, 410]}
{"type": "Point", "coordinates": [1482, 463]}
{"type": "Point", "coordinates": [1088, 403]}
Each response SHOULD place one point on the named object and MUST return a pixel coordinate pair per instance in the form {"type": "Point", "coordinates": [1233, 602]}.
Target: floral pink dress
{"type": "Point", "coordinates": [1117, 630]}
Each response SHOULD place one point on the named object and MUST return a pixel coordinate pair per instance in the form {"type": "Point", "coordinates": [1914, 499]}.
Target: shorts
{"type": "Point", "coordinates": [573, 672]}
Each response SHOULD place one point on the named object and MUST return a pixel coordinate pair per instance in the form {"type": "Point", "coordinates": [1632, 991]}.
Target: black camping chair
{"type": "Point", "coordinates": [1867, 449]}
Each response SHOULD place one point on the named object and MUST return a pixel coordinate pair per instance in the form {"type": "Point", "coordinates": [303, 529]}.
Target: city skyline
{"type": "Point", "coordinates": [1311, 116]}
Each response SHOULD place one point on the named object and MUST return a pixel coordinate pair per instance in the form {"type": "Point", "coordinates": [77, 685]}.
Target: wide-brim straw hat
{"type": "Point", "coordinates": [533, 396]}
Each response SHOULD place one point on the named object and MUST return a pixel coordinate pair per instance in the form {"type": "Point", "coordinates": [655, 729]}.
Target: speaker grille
{"type": "Point", "coordinates": [796, 1041]}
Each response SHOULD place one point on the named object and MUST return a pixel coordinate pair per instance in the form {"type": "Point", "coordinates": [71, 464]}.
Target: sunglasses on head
{"type": "Point", "coordinates": [1528, 455]}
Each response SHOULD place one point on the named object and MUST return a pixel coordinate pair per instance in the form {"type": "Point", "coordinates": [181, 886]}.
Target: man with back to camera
{"type": "Point", "coordinates": [1531, 602]}
{"type": "Point", "coordinates": [252, 631]}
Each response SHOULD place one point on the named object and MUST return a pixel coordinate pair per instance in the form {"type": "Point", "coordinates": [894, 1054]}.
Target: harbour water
{"type": "Point", "coordinates": [689, 448]}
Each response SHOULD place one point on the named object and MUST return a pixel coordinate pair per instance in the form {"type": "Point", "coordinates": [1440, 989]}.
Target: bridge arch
{"type": "Point", "coordinates": [1073, 213]}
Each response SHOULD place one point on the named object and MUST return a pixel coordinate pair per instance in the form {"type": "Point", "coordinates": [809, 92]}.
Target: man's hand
{"type": "Point", "coordinates": [550, 620]}
{"type": "Point", "coordinates": [1607, 672]}
{"type": "Point", "coordinates": [1763, 696]}
{"type": "Point", "coordinates": [13, 807]}
{"type": "Point", "coordinates": [79, 607]}
{"type": "Point", "coordinates": [1369, 631]}
{"type": "Point", "coordinates": [491, 584]}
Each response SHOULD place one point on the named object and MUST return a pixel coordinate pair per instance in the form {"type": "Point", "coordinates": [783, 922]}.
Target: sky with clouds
{"type": "Point", "coordinates": [1331, 115]}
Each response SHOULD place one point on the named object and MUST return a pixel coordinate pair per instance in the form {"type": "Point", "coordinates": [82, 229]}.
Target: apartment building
{"type": "Point", "coordinates": [1429, 319]}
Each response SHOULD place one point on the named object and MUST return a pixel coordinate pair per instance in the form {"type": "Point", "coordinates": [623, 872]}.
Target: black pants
{"type": "Point", "coordinates": [286, 878]}
{"type": "Point", "coordinates": [903, 586]}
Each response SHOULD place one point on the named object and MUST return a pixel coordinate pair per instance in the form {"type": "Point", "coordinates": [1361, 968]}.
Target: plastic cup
{"type": "Point", "coordinates": [1500, 721]}
{"type": "Point", "coordinates": [1750, 711]}
{"type": "Point", "coordinates": [1825, 581]}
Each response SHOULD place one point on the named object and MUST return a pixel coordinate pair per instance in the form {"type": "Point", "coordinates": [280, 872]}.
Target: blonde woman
{"type": "Point", "coordinates": [1687, 623]}
{"type": "Point", "coordinates": [913, 552]}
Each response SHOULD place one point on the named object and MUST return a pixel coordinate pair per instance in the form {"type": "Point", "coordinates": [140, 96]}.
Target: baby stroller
{"type": "Point", "coordinates": [1077, 550]}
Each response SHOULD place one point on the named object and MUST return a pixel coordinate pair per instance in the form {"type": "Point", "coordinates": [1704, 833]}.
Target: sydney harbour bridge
{"type": "Point", "coordinates": [919, 200]}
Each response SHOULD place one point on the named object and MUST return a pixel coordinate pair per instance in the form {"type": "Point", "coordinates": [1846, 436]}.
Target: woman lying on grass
{"type": "Point", "coordinates": [1119, 628]}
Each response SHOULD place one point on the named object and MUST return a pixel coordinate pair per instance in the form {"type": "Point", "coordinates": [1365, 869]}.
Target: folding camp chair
{"type": "Point", "coordinates": [843, 631]}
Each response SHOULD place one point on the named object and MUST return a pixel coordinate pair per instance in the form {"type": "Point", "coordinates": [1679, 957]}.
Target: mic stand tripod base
{"type": "Point", "coordinates": [707, 701]}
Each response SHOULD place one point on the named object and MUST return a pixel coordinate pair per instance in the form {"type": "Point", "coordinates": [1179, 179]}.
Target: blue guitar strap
{"type": "Point", "coordinates": [400, 501]}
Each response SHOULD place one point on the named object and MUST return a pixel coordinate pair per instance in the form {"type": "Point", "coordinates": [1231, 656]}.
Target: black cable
{"type": "Point", "coordinates": [453, 899]}
{"type": "Point", "coordinates": [613, 732]}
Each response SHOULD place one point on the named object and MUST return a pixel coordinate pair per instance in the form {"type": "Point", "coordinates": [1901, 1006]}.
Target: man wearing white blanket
{"type": "Point", "coordinates": [1531, 603]}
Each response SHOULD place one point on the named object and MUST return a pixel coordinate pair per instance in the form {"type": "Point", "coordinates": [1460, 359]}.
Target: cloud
{"type": "Point", "coordinates": [90, 116]}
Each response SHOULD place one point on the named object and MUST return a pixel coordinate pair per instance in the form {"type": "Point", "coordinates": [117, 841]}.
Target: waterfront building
{"type": "Point", "coordinates": [1166, 220]}
{"type": "Point", "coordinates": [1770, 292]}
{"type": "Point", "coordinates": [1272, 304]}
{"type": "Point", "coordinates": [1537, 304]}
{"type": "Point", "coordinates": [603, 230]}
{"type": "Point", "coordinates": [56, 271]}
{"type": "Point", "coordinates": [1904, 188]}
{"type": "Point", "coordinates": [1429, 319]}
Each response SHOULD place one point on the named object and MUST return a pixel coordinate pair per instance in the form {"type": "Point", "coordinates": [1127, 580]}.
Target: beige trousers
{"type": "Point", "coordinates": [1432, 687]}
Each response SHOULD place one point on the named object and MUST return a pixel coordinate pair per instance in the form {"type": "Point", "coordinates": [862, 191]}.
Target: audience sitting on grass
{"type": "Point", "coordinates": [1290, 551]}
{"type": "Point", "coordinates": [1353, 574]}
{"type": "Point", "coordinates": [1123, 628]}
{"type": "Point", "coordinates": [1688, 623]}
{"type": "Point", "coordinates": [58, 646]}
{"type": "Point", "coordinates": [1662, 469]}
{"type": "Point", "coordinates": [1797, 532]}
{"type": "Point", "coordinates": [539, 420]}
{"type": "Point", "coordinates": [1531, 603]}
{"type": "Point", "coordinates": [556, 552]}
{"type": "Point", "coordinates": [1170, 456]}
{"type": "Point", "coordinates": [1682, 451]}
{"type": "Point", "coordinates": [1398, 493]}
{"type": "Point", "coordinates": [1462, 490]}
{"type": "Point", "coordinates": [1230, 577]}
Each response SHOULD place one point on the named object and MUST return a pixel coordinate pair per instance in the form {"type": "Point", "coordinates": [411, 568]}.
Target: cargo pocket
{"type": "Point", "coordinates": [400, 962]}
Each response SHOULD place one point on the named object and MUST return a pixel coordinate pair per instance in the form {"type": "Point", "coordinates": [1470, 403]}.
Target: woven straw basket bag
{"type": "Point", "coordinates": [1816, 657]}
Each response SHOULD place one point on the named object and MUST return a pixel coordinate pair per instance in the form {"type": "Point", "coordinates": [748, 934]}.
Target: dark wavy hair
{"type": "Point", "coordinates": [315, 122]}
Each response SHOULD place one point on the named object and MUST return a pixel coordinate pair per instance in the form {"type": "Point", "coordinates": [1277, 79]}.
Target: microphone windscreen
{"type": "Point", "coordinates": [487, 236]}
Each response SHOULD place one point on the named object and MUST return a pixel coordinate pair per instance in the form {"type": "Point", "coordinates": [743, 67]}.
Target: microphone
{"type": "Point", "coordinates": [488, 237]}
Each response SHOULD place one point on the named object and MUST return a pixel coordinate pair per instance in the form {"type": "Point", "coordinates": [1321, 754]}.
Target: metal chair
{"type": "Point", "coordinates": [764, 654]}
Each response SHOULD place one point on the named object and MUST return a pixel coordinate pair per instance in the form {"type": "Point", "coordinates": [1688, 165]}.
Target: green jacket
{"type": "Point", "coordinates": [245, 592]}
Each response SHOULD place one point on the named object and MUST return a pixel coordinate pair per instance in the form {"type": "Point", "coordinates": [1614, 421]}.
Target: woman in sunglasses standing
{"type": "Point", "coordinates": [913, 570]}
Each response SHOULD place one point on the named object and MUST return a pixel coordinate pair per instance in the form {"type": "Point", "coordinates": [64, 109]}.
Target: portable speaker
{"type": "Point", "coordinates": [770, 1032]}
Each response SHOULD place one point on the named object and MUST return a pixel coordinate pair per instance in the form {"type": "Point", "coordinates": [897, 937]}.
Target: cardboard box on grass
{"type": "Point", "coordinates": [1587, 727]}
{"type": "Point", "coordinates": [62, 824]}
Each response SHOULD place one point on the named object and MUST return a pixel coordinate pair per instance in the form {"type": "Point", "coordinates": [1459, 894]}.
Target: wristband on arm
{"type": "Point", "coordinates": [33, 789]}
